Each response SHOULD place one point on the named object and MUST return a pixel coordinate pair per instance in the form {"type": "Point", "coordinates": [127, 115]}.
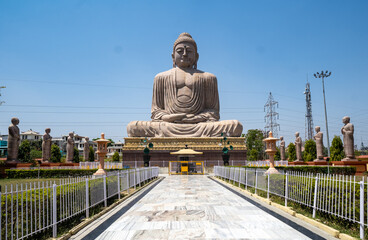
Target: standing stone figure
{"type": "Point", "coordinates": [86, 149]}
{"type": "Point", "coordinates": [70, 148]}
{"type": "Point", "coordinates": [348, 132]}
{"type": "Point", "coordinates": [185, 101]}
{"type": "Point", "coordinates": [13, 140]}
{"type": "Point", "coordinates": [46, 145]}
{"type": "Point", "coordinates": [282, 149]}
{"type": "Point", "coordinates": [298, 147]}
{"type": "Point", "coordinates": [319, 144]}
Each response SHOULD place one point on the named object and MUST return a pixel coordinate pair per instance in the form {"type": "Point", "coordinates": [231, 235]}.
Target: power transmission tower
{"type": "Point", "coordinates": [309, 131]}
{"type": "Point", "coordinates": [1, 102]}
{"type": "Point", "coordinates": [271, 116]}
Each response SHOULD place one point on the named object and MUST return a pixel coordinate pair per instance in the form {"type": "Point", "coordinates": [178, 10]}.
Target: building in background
{"type": "Point", "coordinates": [115, 147]}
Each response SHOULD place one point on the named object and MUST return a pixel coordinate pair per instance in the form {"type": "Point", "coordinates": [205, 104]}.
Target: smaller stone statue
{"type": "Point", "coordinates": [348, 132]}
{"type": "Point", "coordinates": [298, 147]}
{"type": "Point", "coordinates": [70, 148]}
{"type": "Point", "coordinates": [46, 145]}
{"type": "Point", "coordinates": [13, 140]}
{"type": "Point", "coordinates": [319, 144]}
{"type": "Point", "coordinates": [86, 149]}
{"type": "Point", "coordinates": [282, 149]}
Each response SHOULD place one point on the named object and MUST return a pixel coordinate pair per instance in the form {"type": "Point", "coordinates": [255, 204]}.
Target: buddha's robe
{"type": "Point", "coordinates": [204, 102]}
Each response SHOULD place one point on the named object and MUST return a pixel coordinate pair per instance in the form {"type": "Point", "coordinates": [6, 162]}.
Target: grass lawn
{"type": "Point", "coordinates": [7, 182]}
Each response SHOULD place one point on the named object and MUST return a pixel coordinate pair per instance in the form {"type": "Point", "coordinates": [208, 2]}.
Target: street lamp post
{"type": "Point", "coordinates": [324, 75]}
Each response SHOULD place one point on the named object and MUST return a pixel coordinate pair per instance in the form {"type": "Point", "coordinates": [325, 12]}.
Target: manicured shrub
{"type": "Point", "coordinates": [91, 157]}
{"type": "Point", "coordinates": [310, 152]}
{"type": "Point", "coordinates": [253, 155]}
{"type": "Point", "coordinates": [35, 154]}
{"type": "Point", "coordinates": [291, 152]}
{"type": "Point", "coordinates": [76, 155]}
{"type": "Point", "coordinates": [50, 173]}
{"type": "Point", "coordinates": [116, 157]}
{"type": "Point", "coordinates": [315, 169]}
{"type": "Point", "coordinates": [24, 153]}
{"type": "Point", "coordinates": [337, 149]}
{"type": "Point", "coordinates": [55, 154]}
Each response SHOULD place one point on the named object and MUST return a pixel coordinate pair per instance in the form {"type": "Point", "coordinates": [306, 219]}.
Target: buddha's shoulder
{"type": "Point", "coordinates": [206, 74]}
{"type": "Point", "coordinates": [164, 74]}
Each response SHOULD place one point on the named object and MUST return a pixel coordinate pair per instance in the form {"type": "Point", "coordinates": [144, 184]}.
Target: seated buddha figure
{"type": "Point", "coordinates": [185, 101]}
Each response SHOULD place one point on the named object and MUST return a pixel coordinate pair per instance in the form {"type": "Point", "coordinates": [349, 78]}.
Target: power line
{"type": "Point", "coordinates": [270, 118]}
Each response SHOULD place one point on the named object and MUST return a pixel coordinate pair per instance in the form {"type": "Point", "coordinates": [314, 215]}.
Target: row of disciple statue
{"type": "Point", "coordinates": [14, 142]}
{"type": "Point", "coordinates": [348, 136]}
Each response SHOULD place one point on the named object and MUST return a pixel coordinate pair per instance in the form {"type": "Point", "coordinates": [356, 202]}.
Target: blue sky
{"type": "Point", "coordinates": [88, 66]}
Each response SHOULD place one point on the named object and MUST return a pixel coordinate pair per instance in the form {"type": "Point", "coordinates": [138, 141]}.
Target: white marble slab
{"type": "Point", "coordinates": [195, 207]}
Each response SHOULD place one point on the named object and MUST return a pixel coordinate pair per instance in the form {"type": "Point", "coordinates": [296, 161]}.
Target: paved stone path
{"type": "Point", "coordinates": [196, 207]}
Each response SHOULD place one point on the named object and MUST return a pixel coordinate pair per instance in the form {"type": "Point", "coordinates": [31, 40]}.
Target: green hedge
{"type": "Point", "coordinates": [51, 173]}
{"type": "Point", "coordinates": [315, 169]}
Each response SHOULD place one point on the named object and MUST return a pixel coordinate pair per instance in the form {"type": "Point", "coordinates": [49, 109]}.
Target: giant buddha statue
{"type": "Point", "coordinates": [185, 101]}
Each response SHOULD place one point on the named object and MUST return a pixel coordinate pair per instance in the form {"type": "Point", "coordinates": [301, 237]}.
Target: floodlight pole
{"type": "Point", "coordinates": [324, 75]}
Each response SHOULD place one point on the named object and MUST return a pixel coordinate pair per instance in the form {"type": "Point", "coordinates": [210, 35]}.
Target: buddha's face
{"type": "Point", "coordinates": [185, 55]}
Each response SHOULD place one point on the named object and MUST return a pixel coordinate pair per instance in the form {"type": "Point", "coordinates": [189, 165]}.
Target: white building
{"type": "Point", "coordinates": [115, 147]}
{"type": "Point", "coordinates": [30, 135]}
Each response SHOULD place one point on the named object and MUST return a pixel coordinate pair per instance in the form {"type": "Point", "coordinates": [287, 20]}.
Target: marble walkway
{"type": "Point", "coordinates": [196, 207]}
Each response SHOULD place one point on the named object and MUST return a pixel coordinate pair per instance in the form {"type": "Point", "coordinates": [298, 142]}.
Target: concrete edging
{"type": "Point", "coordinates": [87, 221]}
{"type": "Point", "coordinates": [331, 231]}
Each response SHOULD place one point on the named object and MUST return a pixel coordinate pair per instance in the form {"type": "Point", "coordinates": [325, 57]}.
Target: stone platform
{"type": "Point", "coordinates": [133, 149]}
{"type": "Point", "coordinates": [361, 166]}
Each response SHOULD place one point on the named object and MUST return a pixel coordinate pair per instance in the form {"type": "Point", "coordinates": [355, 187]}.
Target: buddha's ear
{"type": "Point", "coordinates": [195, 64]}
{"type": "Point", "coordinates": [172, 56]}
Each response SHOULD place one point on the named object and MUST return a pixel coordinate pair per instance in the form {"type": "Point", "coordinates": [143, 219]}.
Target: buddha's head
{"type": "Point", "coordinates": [15, 121]}
{"type": "Point", "coordinates": [71, 134]}
{"type": "Point", "coordinates": [281, 138]}
{"type": "Point", "coordinates": [317, 128]}
{"type": "Point", "coordinates": [47, 130]}
{"type": "Point", "coordinates": [185, 53]}
{"type": "Point", "coordinates": [297, 134]}
{"type": "Point", "coordinates": [346, 120]}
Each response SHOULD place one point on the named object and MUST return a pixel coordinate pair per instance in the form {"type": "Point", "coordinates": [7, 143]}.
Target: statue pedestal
{"type": "Point", "coordinates": [272, 171]}
{"type": "Point", "coordinates": [361, 166]}
{"type": "Point", "coordinates": [317, 163]}
{"type": "Point", "coordinates": [100, 172]}
{"type": "Point", "coordinates": [349, 159]}
{"type": "Point", "coordinates": [296, 163]}
{"type": "Point", "coordinates": [160, 153]}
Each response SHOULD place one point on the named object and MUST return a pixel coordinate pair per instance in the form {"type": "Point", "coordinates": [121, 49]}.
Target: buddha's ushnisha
{"type": "Point", "coordinates": [185, 101]}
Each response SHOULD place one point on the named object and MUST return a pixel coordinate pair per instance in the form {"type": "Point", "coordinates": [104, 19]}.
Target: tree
{"type": "Point", "coordinates": [91, 157]}
{"type": "Point", "coordinates": [24, 153]}
{"type": "Point", "coordinates": [76, 155]}
{"type": "Point", "coordinates": [291, 151]}
{"type": "Point", "coordinates": [116, 157]}
{"type": "Point", "coordinates": [36, 145]}
{"type": "Point", "coordinates": [277, 154]}
{"type": "Point", "coordinates": [310, 150]}
{"type": "Point", "coordinates": [253, 140]}
{"type": "Point", "coordinates": [55, 154]}
{"type": "Point", "coordinates": [35, 154]}
{"type": "Point", "coordinates": [253, 155]}
{"type": "Point", "coordinates": [337, 149]}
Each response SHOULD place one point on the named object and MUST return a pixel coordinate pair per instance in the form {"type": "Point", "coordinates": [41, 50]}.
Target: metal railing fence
{"type": "Point", "coordinates": [28, 209]}
{"type": "Point", "coordinates": [338, 195]}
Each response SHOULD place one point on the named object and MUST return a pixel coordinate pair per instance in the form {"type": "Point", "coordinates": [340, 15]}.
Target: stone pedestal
{"type": "Point", "coordinates": [297, 163]}
{"type": "Point", "coordinates": [361, 166]}
{"type": "Point", "coordinates": [317, 163]}
{"type": "Point", "coordinates": [212, 152]}
{"type": "Point", "coordinates": [349, 160]}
